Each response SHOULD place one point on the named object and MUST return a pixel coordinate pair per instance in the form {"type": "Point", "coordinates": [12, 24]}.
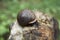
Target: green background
{"type": "Point", "coordinates": [10, 8]}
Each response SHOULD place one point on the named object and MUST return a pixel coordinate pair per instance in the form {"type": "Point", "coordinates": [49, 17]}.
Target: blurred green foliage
{"type": "Point", "coordinates": [10, 8]}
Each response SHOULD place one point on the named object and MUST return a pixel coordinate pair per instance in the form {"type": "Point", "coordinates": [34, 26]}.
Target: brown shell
{"type": "Point", "coordinates": [25, 16]}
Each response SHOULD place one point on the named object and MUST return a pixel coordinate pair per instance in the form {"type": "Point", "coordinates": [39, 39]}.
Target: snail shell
{"type": "Point", "coordinates": [26, 17]}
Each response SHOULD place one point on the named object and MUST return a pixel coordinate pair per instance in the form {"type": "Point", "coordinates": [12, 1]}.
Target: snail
{"type": "Point", "coordinates": [26, 17]}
